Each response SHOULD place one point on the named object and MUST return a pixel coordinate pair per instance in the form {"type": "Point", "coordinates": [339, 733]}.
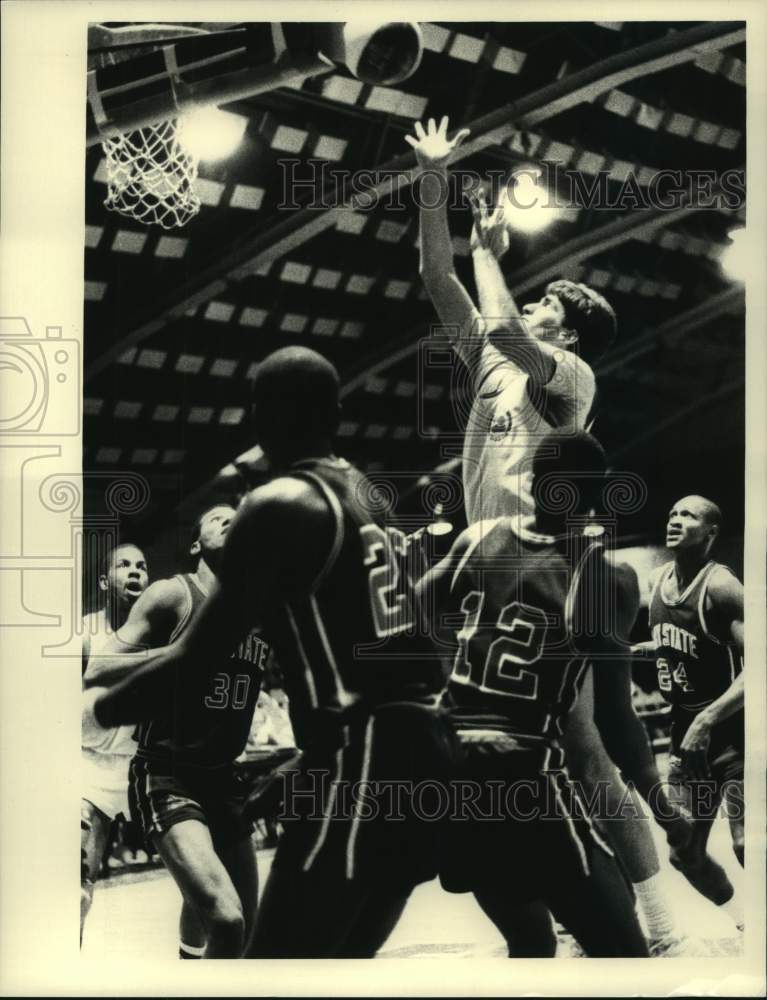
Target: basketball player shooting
{"type": "Point", "coordinates": [531, 375]}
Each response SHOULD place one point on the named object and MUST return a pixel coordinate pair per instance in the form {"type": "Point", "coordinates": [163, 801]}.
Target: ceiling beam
{"type": "Point", "coordinates": [264, 246]}
{"type": "Point", "coordinates": [704, 400]}
{"type": "Point", "coordinates": [731, 301]}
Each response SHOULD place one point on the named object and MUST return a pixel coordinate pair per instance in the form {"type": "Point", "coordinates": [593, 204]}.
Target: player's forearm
{"type": "Point", "coordinates": [495, 299]}
{"type": "Point", "coordinates": [726, 704]}
{"type": "Point", "coordinates": [106, 671]}
{"type": "Point", "coordinates": [436, 243]}
{"type": "Point", "coordinates": [136, 697]}
{"type": "Point", "coordinates": [628, 746]}
{"type": "Point", "coordinates": [643, 648]}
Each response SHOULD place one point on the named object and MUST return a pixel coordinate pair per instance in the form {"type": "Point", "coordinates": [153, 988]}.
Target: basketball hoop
{"type": "Point", "coordinates": [151, 175]}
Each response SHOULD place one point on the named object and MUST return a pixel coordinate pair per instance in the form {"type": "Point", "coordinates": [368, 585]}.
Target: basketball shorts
{"type": "Point", "coordinates": [725, 753]}
{"type": "Point", "coordinates": [161, 797]}
{"type": "Point", "coordinates": [104, 781]}
{"type": "Point", "coordinates": [521, 831]}
{"type": "Point", "coordinates": [370, 809]}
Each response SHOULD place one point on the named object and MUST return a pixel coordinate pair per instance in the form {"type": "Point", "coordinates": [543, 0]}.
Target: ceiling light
{"type": "Point", "coordinates": [212, 134]}
{"type": "Point", "coordinates": [736, 258]}
{"type": "Point", "coordinates": [527, 204]}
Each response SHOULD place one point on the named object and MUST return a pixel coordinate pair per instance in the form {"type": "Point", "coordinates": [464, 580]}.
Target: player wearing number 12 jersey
{"type": "Point", "coordinates": [182, 781]}
{"type": "Point", "coordinates": [532, 604]}
{"type": "Point", "coordinates": [332, 594]}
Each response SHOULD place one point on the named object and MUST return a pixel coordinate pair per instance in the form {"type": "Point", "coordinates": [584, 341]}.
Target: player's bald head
{"type": "Point", "coordinates": [295, 401]}
{"type": "Point", "coordinates": [703, 507]}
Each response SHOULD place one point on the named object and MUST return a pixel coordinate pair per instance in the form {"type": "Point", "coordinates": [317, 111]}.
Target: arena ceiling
{"type": "Point", "coordinates": [175, 321]}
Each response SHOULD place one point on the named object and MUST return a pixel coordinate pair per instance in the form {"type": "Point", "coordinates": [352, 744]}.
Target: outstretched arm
{"type": "Point", "coordinates": [149, 625]}
{"type": "Point", "coordinates": [726, 595]}
{"type": "Point", "coordinates": [489, 242]}
{"type": "Point", "coordinates": [273, 552]}
{"type": "Point", "coordinates": [452, 302]}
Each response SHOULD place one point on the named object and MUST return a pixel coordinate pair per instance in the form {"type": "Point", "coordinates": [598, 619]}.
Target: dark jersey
{"type": "Point", "coordinates": [517, 669]}
{"type": "Point", "coordinates": [695, 661]}
{"type": "Point", "coordinates": [207, 724]}
{"type": "Point", "coordinates": [356, 639]}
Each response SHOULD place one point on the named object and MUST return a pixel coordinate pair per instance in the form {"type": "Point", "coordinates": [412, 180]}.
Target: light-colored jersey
{"type": "Point", "coordinates": [109, 741]}
{"type": "Point", "coordinates": [507, 420]}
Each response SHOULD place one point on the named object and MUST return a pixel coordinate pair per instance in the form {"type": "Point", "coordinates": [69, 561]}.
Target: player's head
{"type": "Point", "coordinates": [296, 407]}
{"type": "Point", "coordinates": [568, 478]}
{"type": "Point", "coordinates": [124, 575]}
{"type": "Point", "coordinates": [573, 314]}
{"type": "Point", "coordinates": [693, 525]}
{"type": "Point", "coordinates": [209, 531]}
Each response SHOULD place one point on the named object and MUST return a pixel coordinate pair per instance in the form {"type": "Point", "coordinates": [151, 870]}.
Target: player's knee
{"type": "Point", "coordinates": [223, 915]}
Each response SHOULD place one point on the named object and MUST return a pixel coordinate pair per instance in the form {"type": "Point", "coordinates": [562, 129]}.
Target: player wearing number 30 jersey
{"type": "Point", "coordinates": [310, 559]}
{"type": "Point", "coordinates": [182, 780]}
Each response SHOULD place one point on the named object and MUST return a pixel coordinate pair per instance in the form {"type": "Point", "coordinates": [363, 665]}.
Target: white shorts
{"type": "Point", "coordinates": [104, 781]}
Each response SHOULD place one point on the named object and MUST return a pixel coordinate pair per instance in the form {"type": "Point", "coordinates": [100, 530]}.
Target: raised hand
{"type": "Point", "coordinates": [489, 231]}
{"type": "Point", "coordinates": [433, 149]}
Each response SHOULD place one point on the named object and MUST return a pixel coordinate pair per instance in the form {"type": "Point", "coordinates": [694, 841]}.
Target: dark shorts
{"type": "Point", "coordinates": [520, 830]}
{"type": "Point", "coordinates": [371, 809]}
{"type": "Point", "coordinates": [160, 799]}
{"type": "Point", "coordinates": [354, 840]}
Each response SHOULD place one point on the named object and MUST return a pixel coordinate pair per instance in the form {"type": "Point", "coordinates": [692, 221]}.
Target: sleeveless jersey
{"type": "Point", "coordinates": [507, 420]}
{"type": "Point", "coordinates": [357, 638]}
{"type": "Point", "coordinates": [207, 725]}
{"type": "Point", "coordinates": [695, 664]}
{"type": "Point", "coordinates": [517, 669]}
{"type": "Point", "coordinates": [111, 741]}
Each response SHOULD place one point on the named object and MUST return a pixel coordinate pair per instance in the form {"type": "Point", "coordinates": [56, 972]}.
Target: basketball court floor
{"type": "Point", "coordinates": [135, 917]}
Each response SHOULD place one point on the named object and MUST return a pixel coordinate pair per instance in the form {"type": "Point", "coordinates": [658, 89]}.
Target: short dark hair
{"type": "Point", "coordinates": [295, 397]}
{"type": "Point", "coordinates": [560, 460]}
{"type": "Point", "coordinates": [588, 314]}
{"type": "Point", "coordinates": [105, 561]}
{"type": "Point", "coordinates": [197, 526]}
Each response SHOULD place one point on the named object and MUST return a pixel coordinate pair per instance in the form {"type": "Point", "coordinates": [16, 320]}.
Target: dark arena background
{"type": "Point", "coordinates": [634, 135]}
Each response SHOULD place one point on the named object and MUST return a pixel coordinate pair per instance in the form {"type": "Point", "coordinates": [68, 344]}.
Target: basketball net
{"type": "Point", "coordinates": [151, 175]}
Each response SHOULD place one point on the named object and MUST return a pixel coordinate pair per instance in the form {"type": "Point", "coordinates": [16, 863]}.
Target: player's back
{"type": "Point", "coordinates": [508, 418]}
{"type": "Point", "coordinates": [357, 638]}
{"type": "Point", "coordinates": [517, 669]}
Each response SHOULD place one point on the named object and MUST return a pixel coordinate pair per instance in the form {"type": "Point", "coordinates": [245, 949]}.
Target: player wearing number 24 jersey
{"type": "Point", "coordinates": [310, 560]}
{"type": "Point", "coordinates": [696, 623]}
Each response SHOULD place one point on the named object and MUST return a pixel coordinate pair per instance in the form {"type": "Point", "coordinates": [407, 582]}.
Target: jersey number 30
{"type": "Point", "coordinates": [523, 629]}
{"type": "Point", "coordinates": [389, 601]}
{"type": "Point", "coordinates": [229, 691]}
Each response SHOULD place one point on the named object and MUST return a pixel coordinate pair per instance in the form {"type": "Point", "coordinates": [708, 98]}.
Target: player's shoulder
{"type": "Point", "coordinates": [657, 574]}
{"type": "Point", "coordinates": [723, 584]}
{"type": "Point", "coordinates": [287, 504]}
{"type": "Point", "coordinates": [94, 621]}
{"type": "Point", "coordinates": [285, 494]}
{"type": "Point", "coordinates": [164, 594]}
